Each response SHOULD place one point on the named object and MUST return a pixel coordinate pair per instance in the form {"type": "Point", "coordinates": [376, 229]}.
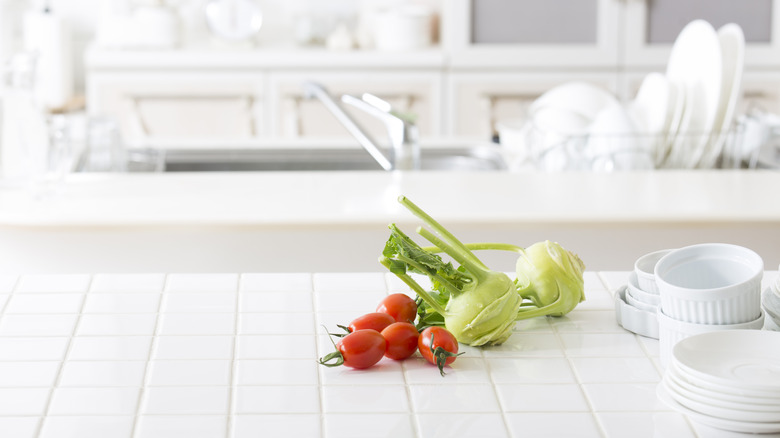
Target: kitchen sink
{"type": "Point", "coordinates": [479, 158]}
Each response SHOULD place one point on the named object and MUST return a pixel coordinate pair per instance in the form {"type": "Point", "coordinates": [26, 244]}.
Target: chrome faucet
{"type": "Point", "coordinates": [401, 129]}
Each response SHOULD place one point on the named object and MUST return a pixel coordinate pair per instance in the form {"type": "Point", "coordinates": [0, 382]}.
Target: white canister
{"type": "Point", "coordinates": [404, 27]}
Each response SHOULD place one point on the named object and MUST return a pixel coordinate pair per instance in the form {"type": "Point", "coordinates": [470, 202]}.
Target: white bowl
{"type": "Point", "coordinates": [578, 97]}
{"type": "Point", "coordinates": [671, 331]}
{"type": "Point", "coordinates": [639, 304]}
{"type": "Point", "coordinates": [711, 283]}
{"type": "Point", "coordinates": [633, 319]}
{"type": "Point", "coordinates": [641, 295]}
{"type": "Point", "coordinates": [644, 268]}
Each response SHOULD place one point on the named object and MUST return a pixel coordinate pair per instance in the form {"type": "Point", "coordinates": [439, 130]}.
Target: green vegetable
{"type": "Point", "coordinates": [477, 305]}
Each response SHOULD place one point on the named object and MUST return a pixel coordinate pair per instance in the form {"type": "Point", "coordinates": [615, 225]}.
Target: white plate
{"type": "Point", "coordinates": [719, 398]}
{"type": "Point", "coordinates": [738, 413]}
{"type": "Point", "coordinates": [696, 63]}
{"type": "Point", "coordinates": [652, 110]}
{"type": "Point", "coordinates": [719, 423]}
{"type": "Point", "coordinates": [732, 45]}
{"type": "Point", "coordinates": [745, 359]}
{"type": "Point", "coordinates": [677, 95]}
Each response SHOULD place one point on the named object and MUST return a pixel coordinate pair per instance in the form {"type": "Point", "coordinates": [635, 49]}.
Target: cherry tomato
{"type": "Point", "coordinates": [374, 321]}
{"type": "Point", "coordinates": [401, 340]}
{"type": "Point", "coordinates": [400, 306]}
{"type": "Point", "coordinates": [438, 346]}
{"type": "Point", "coordinates": [360, 349]}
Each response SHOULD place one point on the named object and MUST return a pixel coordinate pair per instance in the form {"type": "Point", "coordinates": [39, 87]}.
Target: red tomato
{"type": "Point", "coordinates": [438, 346]}
{"type": "Point", "coordinates": [400, 306]}
{"type": "Point", "coordinates": [360, 349]}
{"type": "Point", "coordinates": [374, 321]}
{"type": "Point", "coordinates": [401, 340]}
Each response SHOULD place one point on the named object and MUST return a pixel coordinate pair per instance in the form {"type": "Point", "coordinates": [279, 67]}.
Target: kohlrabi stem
{"type": "Point", "coordinates": [532, 313]}
{"type": "Point", "coordinates": [422, 293]}
{"type": "Point", "coordinates": [482, 246]}
{"type": "Point", "coordinates": [417, 265]}
{"type": "Point", "coordinates": [472, 264]}
{"type": "Point", "coordinates": [431, 222]}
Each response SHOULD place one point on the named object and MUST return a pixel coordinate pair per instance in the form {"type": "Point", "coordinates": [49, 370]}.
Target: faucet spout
{"type": "Point", "coordinates": [315, 90]}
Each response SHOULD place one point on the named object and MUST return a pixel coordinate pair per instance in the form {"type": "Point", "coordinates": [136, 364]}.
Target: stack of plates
{"type": "Point", "coordinates": [728, 380]}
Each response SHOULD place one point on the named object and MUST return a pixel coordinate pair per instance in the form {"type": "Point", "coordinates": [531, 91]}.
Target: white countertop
{"type": "Point", "coordinates": [233, 355]}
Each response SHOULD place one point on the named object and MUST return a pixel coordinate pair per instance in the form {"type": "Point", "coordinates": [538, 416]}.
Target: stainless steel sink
{"type": "Point", "coordinates": [480, 158]}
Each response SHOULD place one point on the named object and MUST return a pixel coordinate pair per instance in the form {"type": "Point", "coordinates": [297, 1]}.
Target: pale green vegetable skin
{"type": "Point", "coordinates": [481, 306]}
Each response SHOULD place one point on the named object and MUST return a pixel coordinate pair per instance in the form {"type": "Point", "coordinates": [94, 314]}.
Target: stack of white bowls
{"type": "Point", "coordinates": [637, 303]}
{"type": "Point", "coordinates": [771, 300]}
{"type": "Point", "coordinates": [728, 380]}
{"type": "Point", "coordinates": [707, 288]}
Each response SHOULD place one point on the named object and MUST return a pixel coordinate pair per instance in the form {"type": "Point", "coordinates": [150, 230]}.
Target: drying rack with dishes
{"type": "Point", "coordinates": [683, 118]}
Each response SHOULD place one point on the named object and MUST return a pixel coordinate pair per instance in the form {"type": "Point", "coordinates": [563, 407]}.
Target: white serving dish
{"type": "Point", "coordinates": [740, 359]}
{"type": "Point", "coordinates": [640, 294]}
{"type": "Point", "coordinates": [644, 269]}
{"type": "Point", "coordinates": [634, 320]}
{"type": "Point", "coordinates": [671, 331]}
{"type": "Point", "coordinates": [711, 283]}
{"type": "Point", "coordinates": [728, 399]}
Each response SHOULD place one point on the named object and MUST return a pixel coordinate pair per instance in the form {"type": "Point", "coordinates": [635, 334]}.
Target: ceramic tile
{"type": "Point", "coordinates": [615, 370]}
{"type": "Point", "coordinates": [291, 425]}
{"type": "Point", "coordinates": [593, 282]}
{"type": "Point", "coordinates": [614, 279]}
{"type": "Point", "coordinates": [33, 348]}
{"type": "Point", "coordinates": [276, 400]}
{"type": "Point", "coordinates": [276, 372]}
{"type": "Point", "coordinates": [356, 425]}
{"type": "Point", "coordinates": [349, 282]}
{"type": "Point", "coordinates": [203, 302]}
{"type": "Point", "coordinates": [193, 347]}
{"type": "Point", "coordinates": [463, 370]}
{"type": "Point", "coordinates": [275, 347]}
{"type": "Point", "coordinates": [601, 345]}
{"type": "Point", "coordinates": [103, 373]}
{"type": "Point", "coordinates": [598, 299]}
{"type": "Point", "coordinates": [531, 370]}
{"type": "Point", "coordinates": [592, 321]}
{"type": "Point", "coordinates": [650, 345]}
{"type": "Point", "coordinates": [386, 372]}
{"type": "Point", "coordinates": [358, 302]}
{"type": "Point", "coordinates": [276, 302]}
{"type": "Point", "coordinates": [276, 282]}
{"type": "Point", "coordinates": [275, 323]}
{"type": "Point", "coordinates": [642, 425]}
{"type": "Point", "coordinates": [23, 401]}
{"type": "Point", "coordinates": [522, 344]}
{"type": "Point", "coordinates": [171, 400]}
{"type": "Point", "coordinates": [542, 398]}
{"type": "Point", "coordinates": [202, 283]}
{"type": "Point", "coordinates": [7, 283]}
{"type": "Point", "coordinates": [41, 303]}
{"type": "Point", "coordinates": [189, 373]}
{"type": "Point", "coordinates": [454, 398]}
{"type": "Point", "coordinates": [533, 325]}
{"type": "Point", "coordinates": [136, 302]}
{"type": "Point", "coordinates": [364, 398]}
{"type": "Point", "coordinates": [462, 425]}
{"type": "Point", "coordinates": [124, 283]}
{"type": "Point", "coordinates": [196, 324]}
{"type": "Point", "coordinates": [553, 425]}
{"type": "Point", "coordinates": [613, 397]}
{"type": "Point", "coordinates": [704, 431]}
{"type": "Point", "coordinates": [116, 324]}
{"type": "Point", "coordinates": [53, 283]}
{"type": "Point", "coordinates": [110, 348]}
{"type": "Point", "coordinates": [37, 325]}
{"type": "Point", "coordinates": [94, 401]}
{"type": "Point", "coordinates": [87, 427]}
{"type": "Point", "coordinates": [3, 300]}
{"type": "Point", "coordinates": [396, 285]}
{"type": "Point", "coordinates": [19, 427]}
{"type": "Point", "coordinates": [328, 322]}
{"type": "Point", "coordinates": [28, 374]}
{"type": "Point", "coordinates": [165, 426]}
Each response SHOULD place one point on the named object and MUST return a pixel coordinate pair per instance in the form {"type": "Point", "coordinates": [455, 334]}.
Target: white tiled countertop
{"type": "Point", "coordinates": [234, 355]}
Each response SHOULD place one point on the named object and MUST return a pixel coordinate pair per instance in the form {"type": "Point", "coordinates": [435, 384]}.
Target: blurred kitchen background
{"type": "Point", "coordinates": [161, 75]}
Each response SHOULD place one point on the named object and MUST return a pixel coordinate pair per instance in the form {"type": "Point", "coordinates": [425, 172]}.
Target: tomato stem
{"type": "Point", "coordinates": [324, 360]}
{"type": "Point", "coordinates": [441, 356]}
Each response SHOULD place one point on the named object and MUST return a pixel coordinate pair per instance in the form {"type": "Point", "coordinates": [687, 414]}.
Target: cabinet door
{"type": "Point", "coordinates": [653, 25]}
{"type": "Point", "coordinates": [180, 109]}
{"type": "Point", "coordinates": [532, 33]}
{"type": "Point", "coordinates": [293, 117]}
{"type": "Point", "coordinates": [482, 100]}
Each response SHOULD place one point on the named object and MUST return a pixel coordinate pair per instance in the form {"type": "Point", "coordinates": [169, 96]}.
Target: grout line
{"type": "Point", "coordinates": [58, 376]}
{"type": "Point", "coordinates": [232, 393]}
{"type": "Point", "coordinates": [152, 345]}
{"type": "Point", "coordinates": [316, 320]}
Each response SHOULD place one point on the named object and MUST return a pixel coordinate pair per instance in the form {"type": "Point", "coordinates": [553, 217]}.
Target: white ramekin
{"type": "Point", "coordinates": [711, 283]}
{"type": "Point", "coordinates": [644, 267]}
{"type": "Point", "coordinates": [637, 293]}
{"type": "Point", "coordinates": [671, 331]}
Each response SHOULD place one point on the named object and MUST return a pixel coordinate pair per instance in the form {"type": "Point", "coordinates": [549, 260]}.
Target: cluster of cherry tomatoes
{"type": "Point", "coordinates": [390, 332]}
